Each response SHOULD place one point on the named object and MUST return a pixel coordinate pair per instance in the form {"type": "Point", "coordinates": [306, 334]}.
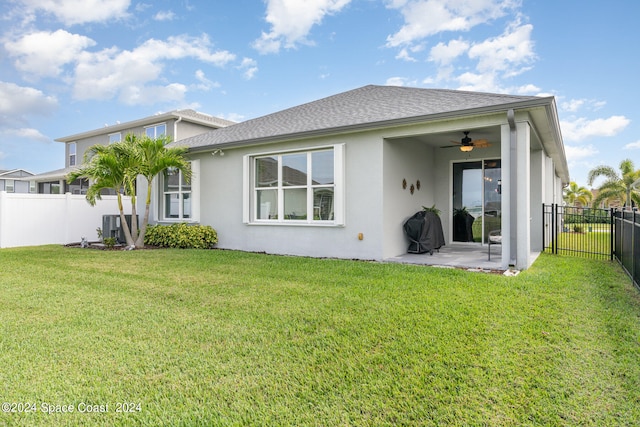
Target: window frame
{"type": "Point", "coordinates": [72, 155]}
{"type": "Point", "coordinates": [10, 185]}
{"type": "Point", "coordinates": [155, 130]}
{"type": "Point", "coordinates": [251, 190]}
{"type": "Point", "coordinates": [113, 141]}
{"type": "Point", "coordinates": [194, 197]}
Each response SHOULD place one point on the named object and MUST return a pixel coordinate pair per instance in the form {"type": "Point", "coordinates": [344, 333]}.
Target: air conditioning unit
{"type": "Point", "coordinates": [112, 227]}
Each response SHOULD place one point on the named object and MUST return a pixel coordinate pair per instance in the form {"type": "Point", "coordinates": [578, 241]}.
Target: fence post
{"type": "Point", "coordinates": [612, 227]}
{"type": "Point", "coordinates": [544, 234]}
{"type": "Point", "coordinates": [554, 233]}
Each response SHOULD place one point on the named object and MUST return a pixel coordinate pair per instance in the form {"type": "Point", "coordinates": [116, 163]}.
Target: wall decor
{"type": "Point", "coordinates": [418, 185]}
{"type": "Point", "coordinates": [411, 188]}
{"type": "Point", "coordinates": [404, 184]}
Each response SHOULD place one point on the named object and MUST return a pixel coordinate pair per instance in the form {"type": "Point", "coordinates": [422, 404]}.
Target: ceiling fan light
{"type": "Point", "coordinates": [466, 148]}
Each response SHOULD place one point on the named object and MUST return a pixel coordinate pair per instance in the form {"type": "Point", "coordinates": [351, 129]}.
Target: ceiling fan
{"type": "Point", "coordinates": [467, 144]}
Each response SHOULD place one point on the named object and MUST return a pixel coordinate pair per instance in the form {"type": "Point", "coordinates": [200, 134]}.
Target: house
{"type": "Point", "coordinates": [177, 124]}
{"type": "Point", "coordinates": [339, 176]}
{"type": "Point", "coordinates": [16, 181]}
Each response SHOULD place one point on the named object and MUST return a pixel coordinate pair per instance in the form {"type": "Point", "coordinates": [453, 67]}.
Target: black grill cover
{"type": "Point", "coordinates": [424, 230]}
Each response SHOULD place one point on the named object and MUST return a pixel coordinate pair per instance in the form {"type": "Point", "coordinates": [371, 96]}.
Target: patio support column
{"type": "Point", "coordinates": [509, 181]}
{"type": "Point", "coordinates": [516, 193]}
{"type": "Point", "coordinates": [523, 195]}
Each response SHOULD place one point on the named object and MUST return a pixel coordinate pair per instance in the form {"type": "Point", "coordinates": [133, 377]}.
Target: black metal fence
{"type": "Point", "coordinates": [594, 233]}
{"type": "Point", "coordinates": [627, 242]}
{"type": "Point", "coordinates": [576, 231]}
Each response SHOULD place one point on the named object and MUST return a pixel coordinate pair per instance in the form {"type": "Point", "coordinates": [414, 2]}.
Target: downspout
{"type": "Point", "coordinates": [175, 128]}
{"type": "Point", "coordinates": [513, 188]}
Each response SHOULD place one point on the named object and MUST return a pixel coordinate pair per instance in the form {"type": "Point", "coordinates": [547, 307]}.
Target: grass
{"type": "Point", "coordinates": [229, 338]}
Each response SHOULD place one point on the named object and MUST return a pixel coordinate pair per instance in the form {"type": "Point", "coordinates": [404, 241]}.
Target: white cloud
{"type": "Point", "coordinates": [581, 128]}
{"type": "Point", "coordinates": [149, 95]}
{"type": "Point", "coordinates": [633, 146]}
{"type": "Point", "coordinates": [72, 12]}
{"type": "Point", "coordinates": [444, 54]}
{"type": "Point", "coordinates": [505, 53]}
{"type": "Point", "coordinates": [574, 105]}
{"type": "Point", "coordinates": [425, 18]}
{"type": "Point", "coordinates": [44, 53]}
{"type": "Point", "coordinates": [400, 81]}
{"type": "Point", "coordinates": [249, 67]}
{"type": "Point", "coordinates": [27, 133]}
{"type": "Point", "coordinates": [292, 20]}
{"type": "Point", "coordinates": [205, 84]}
{"type": "Point", "coordinates": [405, 55]}
{"type": "Point", "coordinates": [164, 16]}
{"type": "Point", "coordinates": [18, 101]}
{"type": "Point", "coordinates": [577, 153]}
{"type": "Point", "coordinates": [125, 74]}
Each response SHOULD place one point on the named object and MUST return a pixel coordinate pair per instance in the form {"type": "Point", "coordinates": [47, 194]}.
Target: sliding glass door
{"type": "Point", "coordinates": [477, 200]}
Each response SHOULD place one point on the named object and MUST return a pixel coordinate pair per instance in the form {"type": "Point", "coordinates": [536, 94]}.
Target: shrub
{"type": "Point", "coordinates": [109, 242]}
{"type": "Point", "coordinates": [182, 236]}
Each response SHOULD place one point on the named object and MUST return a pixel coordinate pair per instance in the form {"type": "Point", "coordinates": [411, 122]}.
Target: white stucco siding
{"type": "Point", "coordinates": [222, 204]}
{"type": "Point", "coordinates": [412, 162]}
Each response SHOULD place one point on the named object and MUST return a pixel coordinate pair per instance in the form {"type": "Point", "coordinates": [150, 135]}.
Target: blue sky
{"type": "Point", "coordinates": [69, 66]}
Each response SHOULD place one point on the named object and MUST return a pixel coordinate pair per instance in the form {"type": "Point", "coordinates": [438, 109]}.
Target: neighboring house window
{"type": "Point", "coordinates": [156, 131]}
{"type": "Point", "coordinates": [9, 186]}
{"type": "Point", "coordinates": [298, 187]}
{"type": "Point", "coordinates": [52, 187]}
{"type": "Point", "coordinates": [32, 187]}
{"type": "Point", "coordinates": [179, 198]}
{"type": "Point", "coordinates": [79, 186]}
{"type": "Point", "coordinates": [115, 137]}
{"type": "Point", "coordinates": [72, 154]}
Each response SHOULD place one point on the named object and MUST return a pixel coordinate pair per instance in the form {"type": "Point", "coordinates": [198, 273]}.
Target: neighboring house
{"type": "Point", "coordinates": [339, 176]}
{"type": "Point", "coordinates": [178, 124]}
{"type": "Point", "coordinates": [16, 181]}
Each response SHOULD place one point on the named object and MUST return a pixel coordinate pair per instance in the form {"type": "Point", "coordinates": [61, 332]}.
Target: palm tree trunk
{"type": "Point", "coordinates": [145, 218]}
{"type": "Point", "coordinates": [123, 221]}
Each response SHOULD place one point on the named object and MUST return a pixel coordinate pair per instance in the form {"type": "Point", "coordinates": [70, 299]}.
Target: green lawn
{"type": "Point", "coordinates": [227, 338]}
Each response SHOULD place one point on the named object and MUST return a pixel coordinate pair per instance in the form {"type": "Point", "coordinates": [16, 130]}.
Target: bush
{"type": "Point", "coordinates": [182, 236]}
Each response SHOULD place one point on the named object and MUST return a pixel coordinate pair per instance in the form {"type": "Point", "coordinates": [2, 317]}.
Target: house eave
{"type": "Point", "coordinates": [405, 121]}
{"type": "Point", "coordinates": [213, 124]}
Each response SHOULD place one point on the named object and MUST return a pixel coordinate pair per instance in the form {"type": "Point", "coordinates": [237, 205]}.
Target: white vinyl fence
{"type": "Point", "coordinates": [42, 219]}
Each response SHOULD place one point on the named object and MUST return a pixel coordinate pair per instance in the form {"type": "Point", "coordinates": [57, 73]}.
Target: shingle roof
{"type": "Point", "coordinates": [368, 106]}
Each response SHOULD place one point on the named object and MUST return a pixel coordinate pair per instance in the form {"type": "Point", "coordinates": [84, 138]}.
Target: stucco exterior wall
{"type": "Point", "coordinates": [221, 206]}
{"type": "Point", "coordinates": [413, 162]}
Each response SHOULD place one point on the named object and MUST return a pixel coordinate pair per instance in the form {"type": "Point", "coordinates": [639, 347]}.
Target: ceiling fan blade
{"type": "Point", "coordinates": [481, 143]}
{"type": "Point", "coordinates": [451, 146]}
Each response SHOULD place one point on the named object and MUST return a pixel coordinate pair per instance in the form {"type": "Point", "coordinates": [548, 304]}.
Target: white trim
{"type": "Point", "coordinates": [250, 193]}
{"type": "Point", "coordinates": [158, 188]}
{"type": "Point", "coordinates": [115, 133]}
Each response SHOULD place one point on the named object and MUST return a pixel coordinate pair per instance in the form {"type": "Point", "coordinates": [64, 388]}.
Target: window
{"type": "Point", "coordinates": [156, 131]}
{"type": "Point", "coordinates": [72, 154]}
{"type": "Point", "coordinates": [79, 186]}
{"type": "Point", "coordinates": [297, 187]}
{"type": "Point", "coordinates": [51, 187]}
{"type": "Point", "coordinates": [176, 195]}
{"type": "Point", "coordinates": [9, 186]}
{"type": "Point", "coordinates": [115, 137]}
{"type": "Point", "coordinates": [32, 187]}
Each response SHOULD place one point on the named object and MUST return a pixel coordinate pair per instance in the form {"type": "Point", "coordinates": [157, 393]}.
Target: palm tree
{"type": "Point", "coordinates": [152, 157]}
{"type": "Point", "coordinates": [617, 186]}
{"type": "Point", "coordinates": [107, 167]}
{"type": "Point", "coordinates": [577, 194]}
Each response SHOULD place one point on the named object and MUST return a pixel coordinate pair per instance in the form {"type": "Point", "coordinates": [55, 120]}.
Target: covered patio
{"type": "Point", "coordinates": [458, 255]}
